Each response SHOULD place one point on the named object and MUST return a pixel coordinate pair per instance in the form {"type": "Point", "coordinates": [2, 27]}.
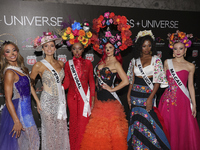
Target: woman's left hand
{"type": "Point", "coordinates": [106, 87]}
{"type": "Point", "coordinates": [92, 102]}
{"type": "Point", "coordinates": [39, 109]}
{"type": "Point", "coordinates": [148, 104]}
{"type": "Point", "coordinates": [194, 111]}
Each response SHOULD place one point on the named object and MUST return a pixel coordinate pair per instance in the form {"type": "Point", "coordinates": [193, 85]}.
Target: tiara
{"type": "Point", "coordinates": [179, 37]}
{"type": "Point", "coordinates": [144, 33]}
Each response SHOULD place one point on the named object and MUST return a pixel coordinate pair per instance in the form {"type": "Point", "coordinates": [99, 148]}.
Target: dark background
{"type": "Point", "coordinates": [21, 22]}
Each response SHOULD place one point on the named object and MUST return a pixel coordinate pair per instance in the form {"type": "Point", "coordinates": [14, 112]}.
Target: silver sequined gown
{"type": "Point", "coordinates": [54, 131]}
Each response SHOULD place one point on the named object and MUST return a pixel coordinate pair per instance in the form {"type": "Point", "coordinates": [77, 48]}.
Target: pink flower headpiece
{"type": "Point", "coordinates": [179, 37]}
{"type": "Point", "coordinates": [119, 38]}
{"type": "Point", "coordinates": [45, 38]}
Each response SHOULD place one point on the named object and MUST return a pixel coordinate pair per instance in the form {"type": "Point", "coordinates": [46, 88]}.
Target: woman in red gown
{"type": "Point", "coordinates": [84, 69]}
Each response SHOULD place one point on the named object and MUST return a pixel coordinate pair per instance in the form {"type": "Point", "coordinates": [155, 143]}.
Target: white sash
{"type": "Point", "coordinates": [62, 114]}
{"type": "Point", "coordinates": [145, 77]}
{"type": "Point", "coordinates": [101, 83]}
{"type": "Point", "coordinates": [178, 80]}
{"type": "Point", "coordinates": [15, 68]}
{"type": "Point", "coordinates": [86, 99]}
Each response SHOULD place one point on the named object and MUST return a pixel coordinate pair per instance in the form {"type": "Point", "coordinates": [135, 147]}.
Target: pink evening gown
{"type": "Point", "coordinates": [175, 108]}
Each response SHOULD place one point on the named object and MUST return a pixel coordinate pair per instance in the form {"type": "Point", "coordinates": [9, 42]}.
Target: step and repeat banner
{"type": "Point", "coordinates": [21, 22]}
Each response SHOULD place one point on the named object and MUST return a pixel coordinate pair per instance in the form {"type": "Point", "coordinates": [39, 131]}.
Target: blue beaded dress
{"type": "Point", "coordinates": [29, 139]}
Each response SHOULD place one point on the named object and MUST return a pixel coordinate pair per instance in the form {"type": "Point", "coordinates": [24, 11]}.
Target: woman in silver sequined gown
{"type": "Point", "coordinates": [54, 131]}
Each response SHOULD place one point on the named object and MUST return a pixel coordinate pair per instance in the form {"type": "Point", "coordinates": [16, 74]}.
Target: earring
{"type": "Point", "coordinates": [150, 52]}
{"type": "Point", "coordinates": [173, 55]}
{"type": "Point", "coordinates": [55, 54]}
{"type": "Point", "coordinates": [43, 54]}
{"type": "Point", "coordinates": [184, 55]}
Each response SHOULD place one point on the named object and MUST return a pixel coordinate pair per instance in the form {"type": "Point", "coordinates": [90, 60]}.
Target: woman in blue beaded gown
{"type": "Point", "coordinates": [53, 103]}
{"type": "Point", "coordinates": [17, 126]}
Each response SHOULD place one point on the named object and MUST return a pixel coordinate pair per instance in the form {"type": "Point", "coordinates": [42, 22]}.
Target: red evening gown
{"type": "Point", "coordinates": [77, 122]}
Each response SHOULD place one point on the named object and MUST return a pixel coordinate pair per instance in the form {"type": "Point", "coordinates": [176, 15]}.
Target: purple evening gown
{"type": "Point", "coordinates": [29, 139]}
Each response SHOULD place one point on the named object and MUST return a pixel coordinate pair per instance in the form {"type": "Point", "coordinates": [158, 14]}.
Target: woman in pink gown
{"type": "Point", "coordinates": [176, 108]}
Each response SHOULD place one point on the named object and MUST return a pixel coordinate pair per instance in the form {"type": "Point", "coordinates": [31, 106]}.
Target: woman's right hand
{"type": "Point", "coordinates": [129, 101]}
{"type": "Point", "coordinates": [17, 129]}
{"type": "Point", "coordinates": [149, 104]}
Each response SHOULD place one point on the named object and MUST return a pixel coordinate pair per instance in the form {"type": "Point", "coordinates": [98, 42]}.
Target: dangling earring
{"type": "Point", "coordinates": [140, 54]}
{"type": "Point", "coordinates": [173, 55]}
{"type": "Point", "coordinates": [43, 54]}
{"type": "Point", "coordinates": [55, 54]}
{"type": "Point", "coordinates": [150, 52]}
{"type": "Point", "coordinates": [184, 55]}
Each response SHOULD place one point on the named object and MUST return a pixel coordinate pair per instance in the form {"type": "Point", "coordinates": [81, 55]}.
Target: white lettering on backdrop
{"type": "Point", "coordinates": [32, 21]}
{"type": "Point", "coordinates": [153, 23]}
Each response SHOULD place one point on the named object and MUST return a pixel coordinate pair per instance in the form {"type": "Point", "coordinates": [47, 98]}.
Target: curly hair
{"type": "Point", "coordinates": [4, 63]}
{"type": "Point", "coordinates": [140, 42]}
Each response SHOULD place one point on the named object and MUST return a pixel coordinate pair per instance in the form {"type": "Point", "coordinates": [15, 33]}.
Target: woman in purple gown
{"type": "Point", "coordinates": [17, 126]}
{"type": "Point", "coordinates": [177, 104]}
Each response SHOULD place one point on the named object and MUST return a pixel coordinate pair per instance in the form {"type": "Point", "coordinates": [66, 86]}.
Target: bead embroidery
{"type": "Point", "coordinates": [141, 88]}
{"type": "Point", "coordinates": [170, 93]}
{"type": "Point", "coordinates": [146, 132]}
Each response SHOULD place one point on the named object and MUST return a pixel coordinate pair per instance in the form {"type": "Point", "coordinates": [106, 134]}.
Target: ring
{"type": "Point", "coordinates": [14, 131]}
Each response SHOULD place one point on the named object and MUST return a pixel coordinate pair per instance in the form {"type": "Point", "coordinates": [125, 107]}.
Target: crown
{"type": "Point", "coordinates": [144, 33]}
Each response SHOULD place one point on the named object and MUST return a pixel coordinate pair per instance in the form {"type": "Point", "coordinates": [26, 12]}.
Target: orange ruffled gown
{"type": "Point", "coordinates": [107, 128]}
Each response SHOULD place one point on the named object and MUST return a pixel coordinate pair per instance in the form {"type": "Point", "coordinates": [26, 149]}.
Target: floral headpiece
{"type": "Point", "coordinates": [144, 33]}
{"type": "Point", "coordinates": [106, 22]}
{"type": "Point", "coordinates": [45, 38]}
{"type": "Point", "coordinates": [179, 37]}
{"type": "Point", "coordinates": [77, 33]}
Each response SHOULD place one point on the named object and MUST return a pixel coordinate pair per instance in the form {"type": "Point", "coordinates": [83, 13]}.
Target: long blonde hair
{"type": "Point", "coordinates": [4, 63]}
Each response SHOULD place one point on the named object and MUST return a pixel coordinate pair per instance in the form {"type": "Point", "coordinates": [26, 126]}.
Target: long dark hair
{"type": "Point", "coordinates": [140, 42]}
{"type": "Point", "coordinates": [4, 63]}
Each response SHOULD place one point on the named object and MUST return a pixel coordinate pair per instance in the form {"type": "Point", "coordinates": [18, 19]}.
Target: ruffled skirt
{"type": "Point", "coordinates": [107, 128]}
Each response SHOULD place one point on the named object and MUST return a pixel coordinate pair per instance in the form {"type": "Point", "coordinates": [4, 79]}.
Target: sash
{"type": "Point", "coordinates": [101, 83]}
{"type": "Point", "coordinates": [19, 70]}
{"type": "Point", "coordinates": [15, 68]}
{"type": "Point", "coordinates": [178, 80]}
{"type": "Point", "coordinates": [145, 77]}
{"type": "Point", "coordinates": [62, 114]}
{"type": "Point", "coordinates": [86, 98]}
